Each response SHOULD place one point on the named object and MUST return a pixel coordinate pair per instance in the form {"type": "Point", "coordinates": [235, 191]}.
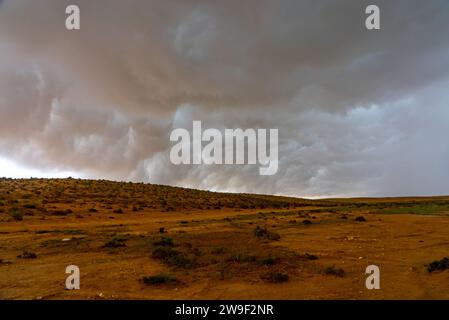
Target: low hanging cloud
{"type": "Point", "coordinates": [359, 112]}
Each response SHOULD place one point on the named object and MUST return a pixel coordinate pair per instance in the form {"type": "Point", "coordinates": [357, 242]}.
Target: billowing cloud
{"type": "Point", "coordinates": [359, 112]}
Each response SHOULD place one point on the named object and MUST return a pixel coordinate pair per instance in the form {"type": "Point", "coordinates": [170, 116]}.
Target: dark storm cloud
{"type": "Point", "coordinates": [103, 100]}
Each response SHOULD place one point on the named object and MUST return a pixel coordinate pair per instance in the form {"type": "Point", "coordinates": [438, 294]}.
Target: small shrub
{"type": "Point", "coordinates": [311, 256]}
{"type": "Point", "coordinates": [59, 213]}
{"type": "Point", "coordinates": [332, 270]}
{"type": "Point", "coordinates": [241, 258]}
{"type": "Point", "coordinates": [42, 231]}
{"type": "Point", "coordinates": [265, 234]}
{"type": "Point", "coordinates": [197, 252]}
{"type": "Point", "coordinates": [119, 211]}
{"type": "Point", "coordinates": [274, 277]}
{"type": "Point", "coordinates": [72, 231]}
{"type": "Point", "coordinates": [161, 278]}
{"type": "Point", "coordinates": [269, 261]}
{"type": "Point", "coordinates": [93, 210]}
{"type": "Point", "coordinates": [218, 250]}
{"type": "Point", "coordinates": [27, 255]}
{"type": "Point", "coordinates": [173, 257]}
{"type": "Point", "coordinates": [360, 219]}
{"type": "Point", "coordinates": [16, 214]}
{"type": "Point", "coordinates": [116, 242]}
{"type": "Point", "coordinates": [164, 242]}
{"type": "Point", "coordinates": [438, 265]}
{"type": "Point", "coordinates": [307, 222]}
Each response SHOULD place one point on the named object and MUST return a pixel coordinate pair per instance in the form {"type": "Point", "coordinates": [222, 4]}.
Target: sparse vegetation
{"type": "Point", "coordinates": [164, 242]}
{"type": "Point", "coordinates": [242, 258]}
{"type": "Point", "coordinates": [161, 278]}
{"type": "Point", "coordinates": [116, 242]}
{"type": "Point", "coordinates": [332, 270]}
{"type": "Point", "coordinates": [218, 250]}
{"type": "Point", "coordinates": [16, 214]}
{"type": "Point", "coordinates": [438, 265]}
{"type": "Point", "coordinates": [61, 212]}
{"type": "Point", "coordinates": [269, 261]}
{"type": "Point", "coordinates": [27, 255]}
{"type": "Point", "coordinates": [173, 257]}
{"type": "Point", "coordinates": [311, 256]}
{"type": "Point", "coordinates": [263, 233]}
{"type": "Point", "coordinates": [274, 277]}
{"type": "Point", "coordinates": [234, 245]}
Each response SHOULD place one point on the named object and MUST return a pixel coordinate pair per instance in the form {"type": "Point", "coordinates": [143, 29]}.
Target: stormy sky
{"type": "Point", "coordinates": [359, 113]}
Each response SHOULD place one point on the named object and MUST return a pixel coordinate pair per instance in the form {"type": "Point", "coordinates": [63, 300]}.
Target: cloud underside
{"type": "Point", "coordinates": [359, 113]}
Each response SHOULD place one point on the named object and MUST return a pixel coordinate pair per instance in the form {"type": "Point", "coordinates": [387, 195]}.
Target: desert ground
{"type": "Point", "coordinates": [143, 241]}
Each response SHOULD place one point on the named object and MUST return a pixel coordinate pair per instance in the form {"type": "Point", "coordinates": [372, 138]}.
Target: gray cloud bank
{"type": "Point", "coordinates": [360, 113]}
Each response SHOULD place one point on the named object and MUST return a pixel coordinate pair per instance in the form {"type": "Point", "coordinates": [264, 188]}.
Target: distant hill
{"type": "Point", "coordinates": [42, 193]}
{"type": "Point", "coordinates": [64, 196]}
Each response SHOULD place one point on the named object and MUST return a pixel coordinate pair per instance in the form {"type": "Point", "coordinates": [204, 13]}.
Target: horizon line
{"type": "Point", "coordinates": [230, 192]}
